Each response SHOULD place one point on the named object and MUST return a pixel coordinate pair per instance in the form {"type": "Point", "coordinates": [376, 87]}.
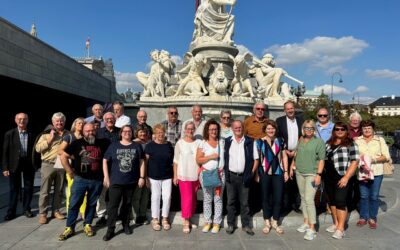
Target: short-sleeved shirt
{"type": "Point", "coordinates": [161, 156]}
{"type": "Point", "coordinates": [309, 154]}
{"type": "Point", "coordinates": [207, 149]}
{"type": "Point", "coordinates": [342, 156]}
{"type": "Point", "coordinates": [324, 132]}
{"type": "Point", "coordinates": [125, 162]}
{"type": "Point", "coordinates": [185, 159]}
{"type": "Point", "coordinates": [88, 159]}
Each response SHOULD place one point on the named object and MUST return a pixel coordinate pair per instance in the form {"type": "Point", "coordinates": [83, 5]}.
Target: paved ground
{"type": "Point", "coordinates": [24, 233]}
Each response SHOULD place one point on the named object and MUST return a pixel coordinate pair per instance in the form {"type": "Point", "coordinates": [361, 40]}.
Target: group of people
{"type": "Point", "coordinates": [112, 168]}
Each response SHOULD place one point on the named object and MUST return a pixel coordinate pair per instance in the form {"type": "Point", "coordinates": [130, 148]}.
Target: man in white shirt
{"type": "Point", "coordinates": [241, 161]}
{"type": "Point", "coordinates": [122, 119]}
{"type": "Point", "coordinates": [199, 122]}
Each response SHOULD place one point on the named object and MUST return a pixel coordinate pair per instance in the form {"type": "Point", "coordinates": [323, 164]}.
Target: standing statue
{"type": "Point", "coordinates": [213, 23]}
{"type": "Point", "coordinates": [268, 77]}
{"type": "Point", "coordinates": [218, 82]}
{"type": "Point", "coordinates": [241, 84]}
{"type": "Point", "coordinates": [159, 77]}
{"type": "Point", "coordinates": [193, 84]}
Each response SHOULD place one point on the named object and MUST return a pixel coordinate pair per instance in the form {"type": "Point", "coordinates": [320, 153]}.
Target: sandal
{"type": "Point", "coordinates": [155, 225]}
{"type": "Point", "coordinates": [165, 224]}
{"type": "Point", "coordinates": [277, 228]}
{"type": "Point", "coordinates": [186, 227]}
{"type": "Point", "coordinates": [267, 227]}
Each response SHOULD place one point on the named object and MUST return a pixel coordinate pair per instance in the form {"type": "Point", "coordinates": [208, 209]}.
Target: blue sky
{"type": "Point", "coordinates": [310, 39]}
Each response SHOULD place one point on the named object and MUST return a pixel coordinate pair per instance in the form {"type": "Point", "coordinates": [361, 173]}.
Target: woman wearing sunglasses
{"type": "Point", "coordinates": [308, 164]}
{"type": "Point", "coordinates": [340, 165]}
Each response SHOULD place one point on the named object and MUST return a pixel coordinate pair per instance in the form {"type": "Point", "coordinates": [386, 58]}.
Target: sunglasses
{"type": "Point", "coordinates": [173, 113]}
{"type": "Point", "coordinates": [260, 109]}
{"type": "Point", "coordinates": [309, 129]}
{"type": "Point", "coordinates": [225, 117]}
{"type": "Point", "coordinates": [322, 115]}
{"type": "Point", "coordinates": [340, 129]}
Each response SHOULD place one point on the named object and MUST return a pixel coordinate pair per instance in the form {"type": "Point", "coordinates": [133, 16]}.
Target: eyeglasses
{"type": "Point", "coordinates": [109, 119]}
{"type": "Point", "coordinates": [260, 109]}
{"type": "Point", "coordinates": [309, 129]}
{"type": "Point", "coordinates": [126, 131]}
{"type": "Point", "coordinates": [340, 129]}
{"type": "Point", "coordinates": [212, 129]}
{"type": "Point", "coordinates": [173, 113]}
{"type": "Point", "coordinates": [225, 117]}
{"type": "Point", "coordinates": [322, 115]}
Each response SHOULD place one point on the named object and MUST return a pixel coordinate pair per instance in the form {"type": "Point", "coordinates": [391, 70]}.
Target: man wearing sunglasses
{"type": "Point", "coordinates": [324, 126]}
{"type": "Point", "coordinates": [173, 126]}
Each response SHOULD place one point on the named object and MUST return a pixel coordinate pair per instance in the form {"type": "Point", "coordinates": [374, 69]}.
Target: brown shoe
{"type": "Point", "coordinates": [42, 219]}
{"type": "Point", "coordinates": [58, 215]}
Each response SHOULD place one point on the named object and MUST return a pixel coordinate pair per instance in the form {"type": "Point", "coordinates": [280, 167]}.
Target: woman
{"type": "Point", "coordinates": [375, 147]}
{"type": "Point", "coordinates": [185, 173]}
{"type": "Point", "coordinates": [340, 165]}
{"type": "Point", "coordinates": [75, 134]}
{"type": "Point", "coordinates": [272, 173]}
{"type": "Point", "coordinates": [160, 155]}
{"type": "Point", "coordinates": [210, 156]}
{"type": "Point", "coordinates": [225, 118]}
{"type": "Point", "coordinates": [308, 164]}
{"type": "Point", "coordinates": [141, 195]}
{"type": "Point", "coordinates": [126, 172]}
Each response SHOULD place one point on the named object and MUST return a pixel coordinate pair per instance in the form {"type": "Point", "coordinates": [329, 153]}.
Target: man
{"type": "Point", "coordinates": [121, 119]}
{"type": "Point", "coordinates": [87, 173]}
{"type": "Point", "coordinates": [48, 146]}
{"type": "Point", "coordinates": [199, 122]}
{"type": "Point", "coordinates": [97, 116]}
{"type": "Point", "coordinates": [141, 117]}
{"type": "Point", "coordinates": [289, 128]}
{"type": "Point", "coordinates": [241, 161]}
{"type": "Point", "coordinates": [324, 126]}
{"type": "Point", "coordinates": [172, 125]}
{"type": "Point", "coordinates": [254, 127]}
{"type": "Point", "coordinates": [354, 126]}
{"type": "Point", "coordinates": [17, 149]}
{"type": "Point", "coordinates": [111, 133]}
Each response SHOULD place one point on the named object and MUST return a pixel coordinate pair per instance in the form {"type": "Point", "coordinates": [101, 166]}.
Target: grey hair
{"type": "Point", "coordinates": [58, 115]}
{"type": "Point", "coordinates": [189, 122]}
{"type": "Point", "coordinates": [259, 103]}
{"type": "Point", "coordinates": [225, 111]}
{"type": "Point", "coordinates": [196, 106]}
{"type": "Point", "coordinates": [355, 115]}
{"type": "Point", "coordinates": [110, 113]}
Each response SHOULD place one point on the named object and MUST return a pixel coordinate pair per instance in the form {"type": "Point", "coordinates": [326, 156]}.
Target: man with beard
{"type": "Point", "coordinates": [88, 153]}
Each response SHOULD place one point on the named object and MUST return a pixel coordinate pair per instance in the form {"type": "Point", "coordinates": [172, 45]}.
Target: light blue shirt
{"type": "Point", "coordinates": [324, 132]}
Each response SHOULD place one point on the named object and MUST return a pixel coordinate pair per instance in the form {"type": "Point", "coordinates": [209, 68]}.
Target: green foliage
{"type": "Point", "coordinates": [387, 124]}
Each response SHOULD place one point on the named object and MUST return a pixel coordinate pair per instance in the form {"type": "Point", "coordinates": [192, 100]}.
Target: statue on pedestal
{"type": "Point", "coordinates": [213, 23]}
{"type": "Point", "coordinates": [241, 84]}
{"type": "Point", "coordinates": [218, 82]}
{"type": "Point", "coordinates": [193, 83]}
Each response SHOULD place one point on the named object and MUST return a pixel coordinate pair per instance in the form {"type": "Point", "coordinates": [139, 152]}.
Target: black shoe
{"type": "Point", "coordinates": [28, 214]}
{"type": "Point", "coordinates": [248, 230]}
{"type": "Point", "coordinates": [230, 229]}
{"type": "Point", "coordinates": [297, 210]}
{"type": "Point", "coordinates": [9, 217]}
{"type": "Point", "coordinates": [101, 222]}
{"type": "Point", "coordinates": [108, 236]}
{"type": "Point", "coordinates": [128, 230]}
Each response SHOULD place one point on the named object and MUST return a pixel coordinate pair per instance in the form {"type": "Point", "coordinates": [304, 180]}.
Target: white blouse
{"type": "Point", "coordinates": [185, 159]}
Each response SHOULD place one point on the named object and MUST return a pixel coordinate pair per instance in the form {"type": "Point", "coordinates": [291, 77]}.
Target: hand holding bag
{"type": "Point", "coordinates": [211, 178]}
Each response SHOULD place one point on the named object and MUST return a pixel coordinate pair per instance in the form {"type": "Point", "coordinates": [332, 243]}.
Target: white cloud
{"type": "Point", "coordinates": [127, 80]}
{"type": "Point", "coordinates": [328, 89]}
{"type": "Point", "coordinates": [361, 88]}
{"type": "Point", "coordinates": [383, 73]}
{"type": "Point", "coordinates": [177, 59]}
{"type": "Point", "coordinates": [243, 50]}
{"type": "Point", "coordinates": [319, 52]}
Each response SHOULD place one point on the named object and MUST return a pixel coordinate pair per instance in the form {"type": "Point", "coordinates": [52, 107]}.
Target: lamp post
{"type": "Point", "coordinates": [340, 81]}
{"type": "Point", "coordinates": [358, 100]}
{"type": "Point", "coordinates": [298, 91]}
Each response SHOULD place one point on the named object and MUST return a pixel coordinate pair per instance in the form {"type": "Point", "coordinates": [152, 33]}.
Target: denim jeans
{"type": "Point", "coordinates": [78, 191]}
{"type": "Point", "coordinates": [369, 202]}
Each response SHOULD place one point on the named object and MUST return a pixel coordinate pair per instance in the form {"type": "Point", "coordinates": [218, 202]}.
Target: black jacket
{"type": "Point", "coordinates": [283, 128]}
{"type": "Point", "coordinates": [248, 152]}
{"type": "Point", "coordinates": [12, 148]}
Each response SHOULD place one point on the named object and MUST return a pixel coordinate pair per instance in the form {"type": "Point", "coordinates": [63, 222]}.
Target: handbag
{"type": "Point", "coordinates": [211, 178]}
{"type": "Point", "coordinates": [388, 168]}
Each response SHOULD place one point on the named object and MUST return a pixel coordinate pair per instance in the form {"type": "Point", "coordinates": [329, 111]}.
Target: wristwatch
{"type": "Point", "coordinates": [320, 174]}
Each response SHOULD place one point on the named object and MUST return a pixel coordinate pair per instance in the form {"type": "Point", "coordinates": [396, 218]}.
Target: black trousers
{"type": "Point", "coordinates": [272, 193]}
{"type": "Point", "coordinates": [28, 175]}
{"type": "Point", "coordinates": [116, 194]}
{"type": "Point", "coordinates": [235, 191]}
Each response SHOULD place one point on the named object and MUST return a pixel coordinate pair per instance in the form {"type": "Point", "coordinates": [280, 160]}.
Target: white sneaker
{"type": "Point", "coordinates": [303, 228]}
{"type": "Point", "coordinates": [331, 228]}
{"type": "Point", "coordinates": [310, 234]}
{"type": "Point", "coordinates": [338, 234]}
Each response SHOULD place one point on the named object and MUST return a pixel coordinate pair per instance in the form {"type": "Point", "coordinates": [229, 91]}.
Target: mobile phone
{"type": "Point", "coordinates": [313, 184]}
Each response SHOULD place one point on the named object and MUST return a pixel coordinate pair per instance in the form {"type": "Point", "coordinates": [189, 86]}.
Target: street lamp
{"type": "Point", "coordinates": [358, 100]}
{"type": "Point", "coordinates": [340, 81]}
{"type": "Point", "coordinates": [298, 91]}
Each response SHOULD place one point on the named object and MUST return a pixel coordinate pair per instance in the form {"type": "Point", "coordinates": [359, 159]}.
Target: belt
{"type": "Point", "coordinates": [48, 162]}
{"type": "Point", "coordinates": [237, 174]}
